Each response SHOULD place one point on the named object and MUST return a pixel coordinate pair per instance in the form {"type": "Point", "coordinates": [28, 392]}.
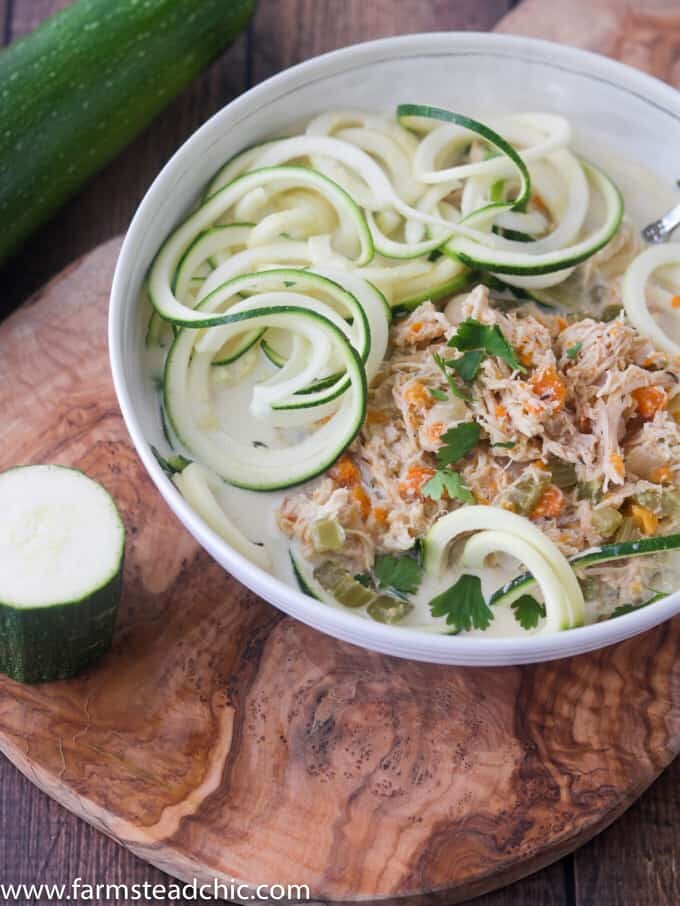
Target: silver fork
{"type": "Point", "coordinates": [661, 229]}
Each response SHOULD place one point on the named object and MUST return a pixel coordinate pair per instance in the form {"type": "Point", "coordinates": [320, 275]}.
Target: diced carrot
{"type": "Point", "coordinates": [345, 472]}
{"type": "Point", "coordinates": [435, 431]}
{"type": "Point", "coordinates": [377, 417]}
{"type": "Point", "coordinates": [416, 327]}
{"type": "Point", "coordinates": [525, 358]}
{"type": "Point", "coordinates": [662, 475]}
{"type": "Point", "coordinates": [415, 479]}
{"type": "Point", "coordinates": [550, 505]}
{"type": "Point", "coordinates": [645, 518]}
{"type": "Point", "coordinates": [561, 322]}
{"type": "Point", "coordinates": [417, 395]}
{"type": "Point", "coordinates": [380, 515]}
{"type": "Point", "coordinates": [549, 386]}
{"type": "Point", "coordinates": [540, 204]}
{"type": "Point", "coordinates": [616, 460]}
{"type": "Point", "coordinates": [361, 497]}
{"type": "Point", "coordinates": [539, 464]}
{"type": "Point", "coordinates": [675, 301]}
{"type": "Point", "coordinates": [501, 412]}
{"type": "Point", "coordinates": [649, 400]}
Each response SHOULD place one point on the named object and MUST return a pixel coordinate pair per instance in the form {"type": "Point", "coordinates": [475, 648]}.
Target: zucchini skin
{"type": "Point", "coordinates": [77, 90]}
{"type": "Point", "coordinates": [40, 644]}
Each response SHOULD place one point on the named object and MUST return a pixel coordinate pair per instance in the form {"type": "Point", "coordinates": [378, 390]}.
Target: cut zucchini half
{"type": "Point", "coordinates": [61, 560]}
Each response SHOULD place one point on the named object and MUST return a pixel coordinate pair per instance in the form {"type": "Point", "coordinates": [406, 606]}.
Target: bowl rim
{"type": "Point", "coordinates": [392, 640]}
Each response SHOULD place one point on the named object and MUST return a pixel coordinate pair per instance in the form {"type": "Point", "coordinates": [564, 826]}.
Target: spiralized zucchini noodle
{"type": "Point", "coordinates": [322, 277]}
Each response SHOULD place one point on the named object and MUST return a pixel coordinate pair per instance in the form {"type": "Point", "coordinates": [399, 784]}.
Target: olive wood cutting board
{"type": "Point", "coordinates": [223, 739]}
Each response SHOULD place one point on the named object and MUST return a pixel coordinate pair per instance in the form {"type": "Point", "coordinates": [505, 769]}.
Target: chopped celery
{"type": "Point", "coordinates": [524, 495]}
{"type": "Point", "coordinates": [342, 585]}
{"type": "Point", "coordinates": [663, 502]}
{"type": "Point", "coordinates": [590, 490]}
{"type": "Point", "coordinates": [327, 535]}
{"type": "Point", "coordinates": [386, 609]}
{"type": "Point", "coordinates": [606, 520]}
{"type": "Point", "coordinates": [563, 473]}
{"type": "Point", "coordinates": [627, 530]}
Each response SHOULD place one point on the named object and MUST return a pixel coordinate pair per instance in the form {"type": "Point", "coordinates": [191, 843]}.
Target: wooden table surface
{"type": "Point", "coordinates": [636, 862]}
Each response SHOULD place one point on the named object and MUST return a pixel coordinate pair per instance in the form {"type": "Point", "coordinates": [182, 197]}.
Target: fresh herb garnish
{"type": "Point", "coordinates": [453, 387]}
{"type": "Point", "coordinates": [528, 611]}
{"type": "Point", "coordinates": [473, 335]}
{"type": "Point", "coordinates": [506, 444]}
{"type": "Point", "coordinates": [260, 443]}
{"type": "Point", "coordinates": [446, 480]}
{"type": "Point", "coordinates": [463, 605]}
{"type": "Point", "coordinates": [438, 394]}
{"type": "Point", "coordinates": [457, 442]}
{"type": "Point", "coordinates": [173, 464]}
{"type": "Point", "coordinates": [289, 282]}
{"type": "Point", "coordinates": [623, 609]}
{"type": "Point", "coordinates": [468, 364]}
{"type": "Point", "coordinates": [403, 574]}
{"type": "Point", "coordinates": [574, 350]}
{"type": "Point", "coordinates": [364, 579]}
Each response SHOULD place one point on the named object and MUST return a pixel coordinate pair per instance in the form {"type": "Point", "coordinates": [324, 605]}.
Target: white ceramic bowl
{"type": "Point", "coordinates": [615, 107]}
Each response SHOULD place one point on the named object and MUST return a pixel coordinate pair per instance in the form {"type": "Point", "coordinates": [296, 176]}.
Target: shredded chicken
{"type": "Point", "coordinates": [592, 396]}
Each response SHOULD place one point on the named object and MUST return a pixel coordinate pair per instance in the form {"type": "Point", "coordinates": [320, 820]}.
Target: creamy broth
{"type": "Point", "coordinates": [646, 197]}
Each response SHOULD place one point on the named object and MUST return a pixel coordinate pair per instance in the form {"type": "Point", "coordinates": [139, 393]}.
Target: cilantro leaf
{"type": "Point", "coordinates": [574, 350]}
{"type": "Point", "coordinates": [449, 481]}
{"type": "Point", "coordinates": [403, 574]}
{"type": "Point", "coordinates": [528, 611]}
{"type": "Point", "coordinates": [453, 387]}
{"type": "Point", "coordinates": [364, 579]}
{"type": "Point", "coordinates": [506, 444]}
{"type": "Point", "coordinates": [457, 442]}
{"type": "Point", "coordinates": [438, 394]}
{"type": "Point", "coordinates": [468, 364]}
{"type": "Point", "coordinates": [473, 335]}
{"type": "Point", "coordinates": [463, 605]}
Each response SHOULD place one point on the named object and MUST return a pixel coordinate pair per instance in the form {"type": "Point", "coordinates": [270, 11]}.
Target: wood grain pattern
{"type": "Point", "coordinates": [643, 34]}
{"type": "Point", "coordinates": [220, 738]}
{"type": "Point", "coordinates": [636, 861]}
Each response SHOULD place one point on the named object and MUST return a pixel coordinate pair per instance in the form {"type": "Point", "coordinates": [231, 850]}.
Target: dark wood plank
{"type": "Point", "coordinates": [5, 22]}
{"type": "Point", "coordinates": [105, 207]}
{"type": "Point", "coordinates": [288, 31]}
{"type": "Point", "coordinates": [27, 15]}
{"type": "Point", "coordinates": [42, 843]}
{"type": "Point", "coordinates": [638, 860]}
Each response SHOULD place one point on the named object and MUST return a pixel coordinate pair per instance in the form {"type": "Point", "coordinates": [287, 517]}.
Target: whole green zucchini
{"type": "Point", "coordinates": [74, 92]}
